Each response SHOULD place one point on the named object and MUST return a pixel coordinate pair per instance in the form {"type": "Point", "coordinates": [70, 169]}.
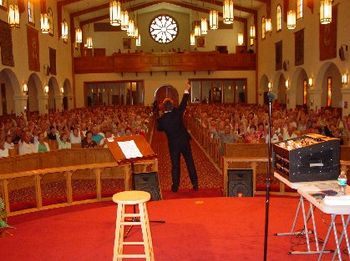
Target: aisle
{"type": "Point", "coordinates": [210, 179]}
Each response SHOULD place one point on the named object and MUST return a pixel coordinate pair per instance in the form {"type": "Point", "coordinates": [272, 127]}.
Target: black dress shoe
{"type": "Point", "coordinates": [174, 188]}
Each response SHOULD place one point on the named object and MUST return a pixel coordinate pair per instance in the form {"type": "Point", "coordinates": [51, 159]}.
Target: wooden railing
{"type": "Point", "coordinates": [165, 62]}
{"type": "Point", "coordinates": [29, 170]}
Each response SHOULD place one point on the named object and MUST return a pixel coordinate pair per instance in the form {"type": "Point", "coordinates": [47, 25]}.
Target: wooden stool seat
{"type": "Point", "coordinates": [132, 197]}
{"type": "Point", "coordinates": [138, 200]}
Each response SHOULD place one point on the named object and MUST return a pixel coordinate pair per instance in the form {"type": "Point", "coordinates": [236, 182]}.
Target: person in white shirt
{"type": "Point", "coordinates": [75, 137]}
{"type": "Point", "coordinates": [8, 144]}
{"type": "Point", "coordinates": [25, 146]}
{"type": "Point", "coordinates": [63, 142]}
{"type": "Point", "coordinates": [4, 152]}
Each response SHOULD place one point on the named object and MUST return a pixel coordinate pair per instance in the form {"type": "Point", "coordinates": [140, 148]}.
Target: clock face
{"type": "Point", "coordinates": [163, 29]}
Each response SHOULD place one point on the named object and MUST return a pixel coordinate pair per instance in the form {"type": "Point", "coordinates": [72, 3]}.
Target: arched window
{"type": "Point", "coordinates": [263, 27]}
{"type": "Point", "coordinates": [305, 86]}
{"type": "Point", "coordinates": [300, 9]}
{"type": "Point", "coordinates": [279, 18]}
{"type": "Point", "coordinates": [30, 8]}
{"type": "Point", "coordinates": [329, 91]}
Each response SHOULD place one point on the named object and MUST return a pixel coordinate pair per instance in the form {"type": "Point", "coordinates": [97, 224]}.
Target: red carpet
{"type": "Point", "coordinates": [195, 229]}
{"type": "Point", "coordinates": [210, 180]}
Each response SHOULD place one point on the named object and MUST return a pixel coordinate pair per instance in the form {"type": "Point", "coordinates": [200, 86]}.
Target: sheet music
{"type": "Point", "coordinates": [130, 149]}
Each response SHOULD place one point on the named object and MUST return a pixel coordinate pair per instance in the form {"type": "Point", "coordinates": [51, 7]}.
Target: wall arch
{"type": "Point", "coordinates": [166, 91]}
{"type": "Point", "coordinates": [34, 91]}
{"type": "Point", "coordinates": [297, 86]}
{"type": "Point", "coordinates": [53, 92]}
{"type": "Point", "coordinates": [279, 88]}
{"type": "Point", "coordinates": [263, 89]}
{"type": "Point", "coordinates": [10, 88]}
{"type": "Point", "coordinates": [329, 70]}
{"type": "Point", "coordinates": [67, 95]}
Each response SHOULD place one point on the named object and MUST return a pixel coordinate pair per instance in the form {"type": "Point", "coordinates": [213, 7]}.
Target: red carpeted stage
{"type": "Point", "coordinates": [195, 229]}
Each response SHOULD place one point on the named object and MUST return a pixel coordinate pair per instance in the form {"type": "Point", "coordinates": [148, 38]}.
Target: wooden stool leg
{"type": "Point", "coordinates": [118, 241]}
{"type": "Point", "coordinates": [149, 232]}
{"type": "Point", "coordinates": [146, 235]}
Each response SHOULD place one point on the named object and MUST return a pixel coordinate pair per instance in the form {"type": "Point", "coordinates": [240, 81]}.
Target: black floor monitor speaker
{"type": "Point", "coordinates": [240, 182]}
{"type": "Point", "coordinates": [147, 182]}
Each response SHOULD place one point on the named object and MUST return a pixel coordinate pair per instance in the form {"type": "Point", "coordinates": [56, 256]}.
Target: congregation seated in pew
{"type": "Point", "coordinates": [34, 133]}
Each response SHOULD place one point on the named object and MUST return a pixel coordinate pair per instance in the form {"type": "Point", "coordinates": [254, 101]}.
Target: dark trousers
{"type": "Point", "coordinates": [184, 148]}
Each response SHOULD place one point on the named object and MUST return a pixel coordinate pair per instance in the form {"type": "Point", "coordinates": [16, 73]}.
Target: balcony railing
{"type": "Point", "coordinates": [165, 62]}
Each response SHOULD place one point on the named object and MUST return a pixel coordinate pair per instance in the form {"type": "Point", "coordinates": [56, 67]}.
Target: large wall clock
{"type": "Point", "coordinates": [163, 29]}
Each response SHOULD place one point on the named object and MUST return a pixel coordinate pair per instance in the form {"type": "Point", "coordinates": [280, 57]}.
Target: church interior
{"type": "Point", "coordinates": [268, 115]}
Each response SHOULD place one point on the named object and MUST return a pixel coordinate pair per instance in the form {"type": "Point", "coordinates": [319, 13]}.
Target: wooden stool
{"type": "Point", "coordinates": [138, 200]}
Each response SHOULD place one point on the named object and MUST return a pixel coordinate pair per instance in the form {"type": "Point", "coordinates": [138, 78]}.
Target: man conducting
{"type": "Point", "coordinates": [171, 122]}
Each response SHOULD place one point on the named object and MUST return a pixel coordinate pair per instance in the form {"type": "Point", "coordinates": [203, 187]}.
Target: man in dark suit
{"type": "Point", "coordinates": [171, 122]}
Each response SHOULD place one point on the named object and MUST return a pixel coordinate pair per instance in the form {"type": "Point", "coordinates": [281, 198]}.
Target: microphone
{"type": "Point", "coordinates": [271, 96]}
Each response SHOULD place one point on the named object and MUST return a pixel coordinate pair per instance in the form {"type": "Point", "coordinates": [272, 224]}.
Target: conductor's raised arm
{"type": "Point", "coordinates": [185, 97]}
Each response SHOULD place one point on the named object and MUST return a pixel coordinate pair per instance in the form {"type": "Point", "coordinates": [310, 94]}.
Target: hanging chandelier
{"type": "Point", "coordinates": [325, 11]}
{"type": "Point", "coordinates": [124, 20]}
{"type": "Point", "coordinates": [192, 39]}
{"type": "Point", "coordinates": [114, 13]}
{"type": "Point", "coordinates": [268, 25]}
{"type": "Point", "coordinates": [13, 16]}
{"type": "Point", "coordinates": [213, 19]}
{"type": "Point", "coordinates": [131, 28]}
{"type": "Point", "coordinates": [252, 31]}
{"type": "Point", "coordinates": [89, 44]}
{"type": "Point", "coordinates": [197, 30]}
{"type": "Point", "coordinates": [64, 30]}
{"type": "Point", "coordinates": [204, 25]}
{"type": "Point", "coordinates": [78, 35]}
{"type": "Point", "coordinates": [44, 23]}
{"type": "Point", "coordinates": [228, 12]}
{"type": "Point", "coordinates": [291, 20]}
{"type": "Point", "coordinates": [136, 32]}
{"type": "Point", "coordinates": [240, 39]}
{"type": "Point", "coordinates": [138, 40]}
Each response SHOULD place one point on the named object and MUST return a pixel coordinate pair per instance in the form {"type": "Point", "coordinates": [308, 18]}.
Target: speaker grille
{"type": "Point", "coordinates": [147, 182]}
{"type": "Point", "coordinates": [240, 182]}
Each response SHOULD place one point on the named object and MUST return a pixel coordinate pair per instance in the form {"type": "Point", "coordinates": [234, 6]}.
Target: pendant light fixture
{"type": "Point", "coordinates": [44, 23]}
{"type": "Point", "coordinates": [268, 25]}
{"type": "Point", "coordinates": [124, 20]}
{"type": "Point", "coordinates": [89, 44]}
{"type": "Point", "coordinates": [197, 30]}
{"type": "Point", "coordinates": [228, 12]}
{"type": "Point", "coordinates": [13, 16]}
{"type": "Point", "coordinates": [78, 35]}
{"type": "Point", "coordinates": [204, 25]}
{"type": "Point", "coordinates": [131, 28]}
{"type": "Point", "coordinates": [252, 33]}
{"type": "Point", "coordinates": [138, 40]}
{"type": "Point", "coordinates": [325, 11]}
{"type": "Point", "coordinates": [213, 19]}
{"type": "Point", "coordinates": [240, 38]}
{"type": "Point", "coordinates": [192, 39]}
{"type": "Point", "coordinates": [115, 13]}
{"type": "Point", "coordinates": [64, 30]}
{"type": "Point", "coordinates": [136, 32]}
{"type": "Point", "coordinates": [291, 19]}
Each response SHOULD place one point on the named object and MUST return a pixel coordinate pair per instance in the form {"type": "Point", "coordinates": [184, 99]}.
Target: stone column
{"type": "Point", "coordinates": [59, 102]}
{"type": "Point", "coordinates": [20, 104]}
{"type": "Point", "coordinates": [43, 101]}
{"type": "Point", "coordinates": [315, 99]}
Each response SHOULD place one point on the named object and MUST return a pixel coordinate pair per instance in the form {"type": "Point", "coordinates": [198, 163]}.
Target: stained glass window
{"type": "Point", "coordinates": [263, 27]}
{"type": "Point", "coordinates": [329, 91]}
{"type": "Point", "coordinates": [300, 8]}
{"type": "Point", "coordinates": [163, 29]}
{"type": "Point", "coordinates": [30, 9]}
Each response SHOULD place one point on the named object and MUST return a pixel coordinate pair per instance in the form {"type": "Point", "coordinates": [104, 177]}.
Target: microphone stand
{"type": "Point", "coordinates": [270, 97]}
